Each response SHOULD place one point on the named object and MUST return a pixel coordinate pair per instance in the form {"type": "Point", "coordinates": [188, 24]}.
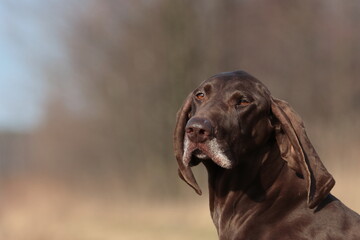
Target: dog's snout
{"type": "Point", "coordinates": [199, 129]}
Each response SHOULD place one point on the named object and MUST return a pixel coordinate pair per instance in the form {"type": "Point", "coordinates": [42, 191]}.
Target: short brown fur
{"type": "Point", "coordinates": [276, 186]}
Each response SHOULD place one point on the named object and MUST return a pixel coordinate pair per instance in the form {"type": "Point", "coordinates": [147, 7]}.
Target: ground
{"type": "Point", "coordinates": [44, 210]}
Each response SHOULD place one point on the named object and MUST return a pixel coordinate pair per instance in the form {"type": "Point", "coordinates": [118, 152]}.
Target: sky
{"type": "Point", "coordinates": [25, 43]}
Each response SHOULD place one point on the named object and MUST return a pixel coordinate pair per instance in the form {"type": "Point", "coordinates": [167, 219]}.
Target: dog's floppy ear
{"type": "Point", "coordinates": [185, 172]}
{"type": "Point", "coordinates": [297, 150]}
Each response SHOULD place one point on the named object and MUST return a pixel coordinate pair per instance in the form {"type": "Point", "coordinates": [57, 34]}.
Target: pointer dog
{"type": "Point", "coordinates": [266, 180]}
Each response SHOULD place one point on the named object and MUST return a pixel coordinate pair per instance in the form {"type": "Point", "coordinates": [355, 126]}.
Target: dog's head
{"type": "Point", "coordinates": [231, 115]}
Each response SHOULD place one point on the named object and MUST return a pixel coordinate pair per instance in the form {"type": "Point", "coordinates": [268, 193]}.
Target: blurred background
{"type": "Point", "coordinates": [89, 91]}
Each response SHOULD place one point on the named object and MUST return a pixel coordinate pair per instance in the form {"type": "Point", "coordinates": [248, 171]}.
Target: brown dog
{"type": "Point", "coordinates": [266, 180]}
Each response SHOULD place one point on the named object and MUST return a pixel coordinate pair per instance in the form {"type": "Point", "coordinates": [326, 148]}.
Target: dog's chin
{"type": "Point", "coordinates": [194, 153]}
{"type": "Point", "coordinates": [200, 155]}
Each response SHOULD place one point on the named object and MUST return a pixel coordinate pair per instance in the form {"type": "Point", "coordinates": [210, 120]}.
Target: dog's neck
{"type": "Point", "coordinates": [238, 193]}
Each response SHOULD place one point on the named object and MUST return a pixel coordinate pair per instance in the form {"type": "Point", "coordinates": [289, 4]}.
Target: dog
{"type": "Point", "coordinates": [265, 179]}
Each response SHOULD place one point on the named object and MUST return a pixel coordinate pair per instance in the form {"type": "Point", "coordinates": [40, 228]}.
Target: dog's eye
{"type": "Point", "coordinates": [242, 102]}
{"type": "Point", "coordinates": [200, 96]}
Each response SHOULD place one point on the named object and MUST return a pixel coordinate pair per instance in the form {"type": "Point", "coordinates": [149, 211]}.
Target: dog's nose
{"type": "Point", "coordinates": [199, 130]}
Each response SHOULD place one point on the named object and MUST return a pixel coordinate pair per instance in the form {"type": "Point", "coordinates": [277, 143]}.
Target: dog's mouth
{"type": "Point", "coordinates": [203, 151]}
{"type": "Point", "coordinates": [199, 154]}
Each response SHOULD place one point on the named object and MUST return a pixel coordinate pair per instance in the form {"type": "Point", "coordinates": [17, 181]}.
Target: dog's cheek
{"type": "Point", "coordinates": [261, 131]}
{"type": "Point", "coordinates": [227, 129]}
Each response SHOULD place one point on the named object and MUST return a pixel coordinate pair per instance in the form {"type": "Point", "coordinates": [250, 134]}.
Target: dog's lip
{"type": "Point", "coordinates": [193, 149]}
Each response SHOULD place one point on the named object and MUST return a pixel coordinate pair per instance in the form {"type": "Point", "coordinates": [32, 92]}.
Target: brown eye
{"type": "Point", "coordinates": [200, 96]}
{"type": "Point", "coordinates": [243, 103]}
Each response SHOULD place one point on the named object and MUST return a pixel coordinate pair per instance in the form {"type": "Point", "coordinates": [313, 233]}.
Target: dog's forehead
{"type": "Point", "coordinates": [238, 80]}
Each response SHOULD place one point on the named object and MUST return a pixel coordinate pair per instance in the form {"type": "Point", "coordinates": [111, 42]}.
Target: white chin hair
{"type": "Point", "coordinates": [201, 156]}
{"type": "Point", "coordinates": [208, 150]}
{"type": "Point", "coordinates": [217, 154]}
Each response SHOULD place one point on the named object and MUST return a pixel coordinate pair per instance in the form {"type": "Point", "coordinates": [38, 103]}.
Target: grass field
{"type": "Point", "coordinates": [43, 210]}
